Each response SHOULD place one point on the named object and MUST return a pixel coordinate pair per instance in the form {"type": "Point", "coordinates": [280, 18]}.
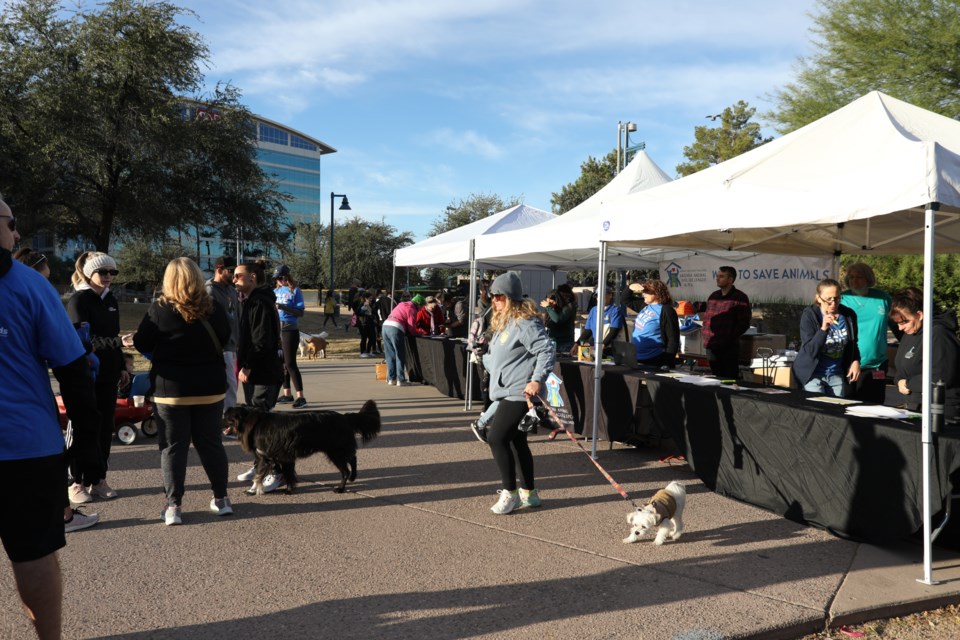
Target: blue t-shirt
{"type": "Point", "coordinates": [35, 333]}
{"type": "Point", "coordinates": [830, 362]}
{"type": "Point", "coordinates": [290, 298]}
{"type": "Point", "coordinates": [612, 317]}
{"type": "Point", "coordinates": [646, 336]}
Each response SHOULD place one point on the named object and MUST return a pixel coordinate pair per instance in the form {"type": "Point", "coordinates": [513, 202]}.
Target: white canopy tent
{"type": "Point", "coordinates": [452, 248]}
{"type": "Point", "coordinates": [455, 249]}
{"type": "Point", "coordinates": [878, 176]}
{"type": "Point", "coordinates": [570, 240]}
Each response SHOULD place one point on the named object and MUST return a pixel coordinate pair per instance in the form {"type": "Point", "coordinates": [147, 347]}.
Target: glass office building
{"type": "Point", "coordinates": [292, 159]}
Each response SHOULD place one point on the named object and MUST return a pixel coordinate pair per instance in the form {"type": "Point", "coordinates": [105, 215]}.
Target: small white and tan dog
{"type": "Point", "coordinates": [664, 513]}
{"type": "Point", "coordinates": [312, 346]}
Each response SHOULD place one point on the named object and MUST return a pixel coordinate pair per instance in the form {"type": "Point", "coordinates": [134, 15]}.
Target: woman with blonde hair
{"type": "Point", "coordinates": [94, 304]}
{"type": "Point", "coordinates": [519, 359]}
{"type": "Point", "coordinates": [184, 331]}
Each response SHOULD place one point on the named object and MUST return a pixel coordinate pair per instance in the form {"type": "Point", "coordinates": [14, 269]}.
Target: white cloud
{"type": "Point", "coordinates": [464, 141]}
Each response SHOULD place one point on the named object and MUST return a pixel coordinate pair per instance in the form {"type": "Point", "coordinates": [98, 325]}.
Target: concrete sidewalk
{"type": "Point", "coordinates": [413, 551]}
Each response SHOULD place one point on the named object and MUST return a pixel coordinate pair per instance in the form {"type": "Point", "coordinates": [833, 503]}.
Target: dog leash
{"type": "Point", "coordinates": [616, 485]}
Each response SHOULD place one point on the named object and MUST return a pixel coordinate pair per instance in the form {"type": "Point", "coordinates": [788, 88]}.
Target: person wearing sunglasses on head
{"type": "Point", "coordinates": [33, 259]}
{"type": "Point", "coordinates": [828, 359]}
{"type": "Point", "coordinates": [95, 304]}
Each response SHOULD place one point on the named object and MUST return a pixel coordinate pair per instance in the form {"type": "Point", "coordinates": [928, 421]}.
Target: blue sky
{"type": "Point", "coordinates": [430, 101]}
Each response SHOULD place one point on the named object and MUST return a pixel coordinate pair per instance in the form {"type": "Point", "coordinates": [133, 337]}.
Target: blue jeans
{"type": "Point", "coordinates": [826, 385]}
{"type": "Point", "coordinates": [178, 425]}
{"type": "Point", "coordinates": [395, 352]}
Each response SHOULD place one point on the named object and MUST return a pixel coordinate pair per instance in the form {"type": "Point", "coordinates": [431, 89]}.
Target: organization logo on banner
{"type": "Point", "coordinates": [673, 274]}
{"type": "Point", "coordinates": [606, 225]}
{"type": "Point", "coordinates": [553, 390]}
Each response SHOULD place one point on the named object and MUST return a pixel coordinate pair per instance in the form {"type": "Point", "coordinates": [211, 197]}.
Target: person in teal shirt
{"type": "Point", "coordinates": [872, 307]}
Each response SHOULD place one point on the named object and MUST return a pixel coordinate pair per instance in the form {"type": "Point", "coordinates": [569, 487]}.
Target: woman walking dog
{"type": "Point", "coordinates": [519, 359]}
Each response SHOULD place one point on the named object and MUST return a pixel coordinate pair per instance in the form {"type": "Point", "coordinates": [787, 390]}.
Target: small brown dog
{"type": "Point", "coordinates": [316, 348]}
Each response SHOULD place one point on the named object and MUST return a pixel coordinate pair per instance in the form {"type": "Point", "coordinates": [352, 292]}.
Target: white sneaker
{"type": "Point", "coordinates": [79, 520]}
{"type": "Point", "coordinates": [272, 481]}
{"type": "Point", "coordinates": [171, 516]}
{"type": "Point", "coordinates": [78, 494]}
{"type": "Point", "coordinates": [403, 383]}
{"type": "Point", "coordinates": [221, 506]}
{"type": "Point", "coordinates": [391, 382]}
{"type": "Point", "coordinates": [509, 500]}
{"type": "Point", "coordinates": [365, 355]}
{"type": "Point", "coordinates": [247, 475]}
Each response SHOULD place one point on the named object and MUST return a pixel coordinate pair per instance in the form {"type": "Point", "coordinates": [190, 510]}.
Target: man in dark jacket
{"type": "Point", "coordinates": [258, 340]}
{"type": "Point", "coordinates": [726, 318]}
{"type": "Point", "coordinates": [259, 351]}
{"type": "Point", "coordinates": [220, 287]}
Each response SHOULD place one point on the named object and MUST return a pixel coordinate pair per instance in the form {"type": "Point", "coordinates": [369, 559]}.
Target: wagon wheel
{"type": "Point", "coordinates": [127, 433]}
{"type": "Point", "coordinates": [149, 427]}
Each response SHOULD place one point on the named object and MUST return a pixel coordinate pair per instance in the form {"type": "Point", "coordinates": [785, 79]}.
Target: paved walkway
{"type": "Point", "coordinates": [412, 550]}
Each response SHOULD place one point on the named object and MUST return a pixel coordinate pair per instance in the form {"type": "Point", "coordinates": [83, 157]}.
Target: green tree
{"type": "Point", "coordinates": [98, 130]}
{"type": "Point", "coordinates": [364, 250]}
{"type": "Point", "coordinates": [735, 135]}
{"type": "Point", "coordinates": [464, 211]}
{"type": "Point", "coordinates": [909, 49]}
{"type": "Point", "coordinates": [307, 254]}
{"type": "Point", "coordinates": [594, 175]}
{"type": "Point", "coordinates": [142, 262]}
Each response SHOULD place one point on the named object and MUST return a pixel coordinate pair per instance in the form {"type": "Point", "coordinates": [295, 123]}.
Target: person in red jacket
{"type": "Point", "coordinates": [726, 318]}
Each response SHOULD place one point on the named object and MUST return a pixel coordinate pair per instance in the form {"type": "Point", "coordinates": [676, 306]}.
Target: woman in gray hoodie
{"type": "Point", "coordinates": [519, 360]}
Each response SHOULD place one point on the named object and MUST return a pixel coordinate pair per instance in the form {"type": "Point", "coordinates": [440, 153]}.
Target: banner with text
{"type": "Point", "coordinates": [764, 278]}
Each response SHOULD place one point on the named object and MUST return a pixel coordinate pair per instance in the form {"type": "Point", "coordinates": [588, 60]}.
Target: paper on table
{"type": "Point", "coordinates": [832, 400]}
{"type": "Point", "coordinates": [700, 381]}
{"type": "Point", "coordinates": [879, 411]}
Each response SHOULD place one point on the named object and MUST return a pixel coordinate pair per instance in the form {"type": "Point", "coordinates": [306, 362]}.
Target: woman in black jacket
{"type": "Point", "coordinates": [184, 332]}
{"type": "Point", "coordinates": [907, 311]}
{"type": "Point", "coordinates": [94, 304]}
{"type": "Point", "coordinates": [828, 356]}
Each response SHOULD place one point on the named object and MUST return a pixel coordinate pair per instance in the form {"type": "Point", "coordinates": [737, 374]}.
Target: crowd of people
{"type": "Point", "coordinates": [206, 338]}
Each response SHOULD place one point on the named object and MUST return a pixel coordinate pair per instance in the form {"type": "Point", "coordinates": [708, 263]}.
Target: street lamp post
{"type": "Point", "coordinates": [344, 206]}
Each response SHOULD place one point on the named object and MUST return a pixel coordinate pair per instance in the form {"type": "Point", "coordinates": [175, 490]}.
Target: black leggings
{"type": "Point", "coordinates": [291, 342]}
{"type": "Point", "coordinates": [502, 433]}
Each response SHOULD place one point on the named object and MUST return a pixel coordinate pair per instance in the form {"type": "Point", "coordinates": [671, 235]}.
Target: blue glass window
{"type": "Point", "coordinates": [300, 143]}
{"type": "Point", "coordinates": [288, 160]}
{"type": "Point", "coordinates": [272, 134]}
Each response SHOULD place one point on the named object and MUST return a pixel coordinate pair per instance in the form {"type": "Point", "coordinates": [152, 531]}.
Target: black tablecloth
{"type": "Point", "coordinates": [442, 363]}
{"type": "Point", "coordinates": [625, 414]}
{"type": "Point", "coordinates": [806, 461]}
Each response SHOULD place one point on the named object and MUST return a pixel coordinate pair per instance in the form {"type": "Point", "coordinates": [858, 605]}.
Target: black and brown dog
{"type": "Point", "coordinates": [280, 438]}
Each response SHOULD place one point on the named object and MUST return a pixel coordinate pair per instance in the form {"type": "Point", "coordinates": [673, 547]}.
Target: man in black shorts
{"type": "Point", "coordinates": [35, 331]}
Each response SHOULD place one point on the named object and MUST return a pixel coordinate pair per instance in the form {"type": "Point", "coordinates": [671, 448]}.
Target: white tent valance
{"type": "Point", "coordinates": [855, 181]}
{"type": "Point", "coordinates": [452, 249]}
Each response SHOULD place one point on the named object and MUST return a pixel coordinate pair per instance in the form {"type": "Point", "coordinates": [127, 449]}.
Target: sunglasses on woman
{"type": "Point", "coordinates": [39, 261]}
{"type": "Point", "coordinates": [11, 222]}
{"type": "Point", "coordinates": [107, 272]}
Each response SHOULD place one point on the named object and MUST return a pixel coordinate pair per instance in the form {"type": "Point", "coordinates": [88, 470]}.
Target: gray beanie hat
{"type": "Point", "coordinates": [509, 285]}
{"type": "Point", "coordinates": [97, 260]}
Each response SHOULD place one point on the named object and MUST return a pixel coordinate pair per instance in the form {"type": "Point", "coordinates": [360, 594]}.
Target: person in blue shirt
{"type": "Point", "coordinates": [290, 306]}
{"type": "Point", "coordinates": [612, 325]}
{"type": "Point", "coordinates": [656, 330]}
{"type": "Point", "coordinates": [35, 333]}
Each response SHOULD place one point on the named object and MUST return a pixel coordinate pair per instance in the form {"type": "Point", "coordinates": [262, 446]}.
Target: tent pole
{"type": "Point", "coordinates": [393, 282]}
{"type": "Point", "coordinates": [926, 435]}
{"type": "Point", "coordinates": [598, 343]}
{"type": "Point", "coordinates": [471, 312]}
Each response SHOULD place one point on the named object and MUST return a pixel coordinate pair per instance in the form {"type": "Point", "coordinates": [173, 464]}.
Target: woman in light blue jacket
{"type": "Point", "coordinates": [519, 360]}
